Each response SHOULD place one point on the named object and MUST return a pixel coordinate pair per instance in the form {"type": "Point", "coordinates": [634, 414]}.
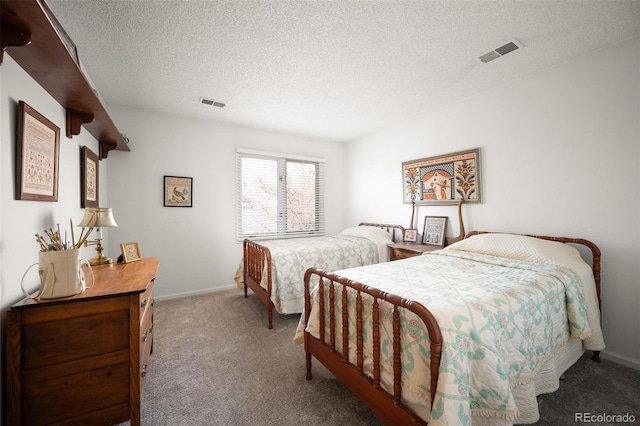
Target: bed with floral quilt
{"type": "Point", "coordinates": [274, 269]}
{"type": "Point", "coordinates": [470, 334]}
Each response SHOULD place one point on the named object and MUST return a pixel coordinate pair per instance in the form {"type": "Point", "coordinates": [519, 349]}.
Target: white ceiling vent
{"type": "Point", "coordinates": [212, 103]}
{"type": "Point", "coordinates": [500, 51]}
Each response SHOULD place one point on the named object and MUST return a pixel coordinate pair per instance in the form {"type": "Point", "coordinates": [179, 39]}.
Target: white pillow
{"type": "Point", "coordinates": [519, 247]}
{"type": "Point", "coordinates": [375, 234]}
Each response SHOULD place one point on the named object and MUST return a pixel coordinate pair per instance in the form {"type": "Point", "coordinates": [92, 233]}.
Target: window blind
{"type": "Point", "coordinates": [278, 195]}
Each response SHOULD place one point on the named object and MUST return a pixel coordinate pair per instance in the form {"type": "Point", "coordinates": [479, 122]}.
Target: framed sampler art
{"type": "Point", "coordinates": [130, 252]}
{"type": "Point", "coordinates": [434, 231]}
{"type": "Point", "coordinates": [89, 168]}
{"type": "Point", "coordinates": [37, 153]}
{"type": "Point", "coordinates": [442, 180]}
{"type": "Point", "coordinates": [178, 191]}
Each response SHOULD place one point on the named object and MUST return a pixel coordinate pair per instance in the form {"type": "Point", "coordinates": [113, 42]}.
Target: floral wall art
{"type": "Point", "coordinates": [441, 180]}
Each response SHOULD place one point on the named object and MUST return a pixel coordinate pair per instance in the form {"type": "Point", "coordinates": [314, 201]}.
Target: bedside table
{"type": "Point", "coordinates": [405, 250]}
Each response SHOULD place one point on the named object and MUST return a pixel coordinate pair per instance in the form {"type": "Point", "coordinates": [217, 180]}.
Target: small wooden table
{"type": "Point", "coordinates": [406, 250]}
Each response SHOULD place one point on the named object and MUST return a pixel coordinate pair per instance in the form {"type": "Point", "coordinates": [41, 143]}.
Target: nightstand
{"type": "Point", "coordinates": [406, 250]}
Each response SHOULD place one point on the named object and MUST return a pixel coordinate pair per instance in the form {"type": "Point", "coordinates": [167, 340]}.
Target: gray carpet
{"type": "Point", "coordinates": [216, 363]}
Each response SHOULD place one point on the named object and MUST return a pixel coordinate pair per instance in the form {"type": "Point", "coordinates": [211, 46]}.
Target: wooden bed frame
{"type": "Point", "coordinates": [387, 406]}
{"type": "Point", "coordinates": [256, 256]}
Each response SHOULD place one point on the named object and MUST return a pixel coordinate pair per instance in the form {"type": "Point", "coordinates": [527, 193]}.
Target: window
{"type": "Point", "coordinates": [279, 195]}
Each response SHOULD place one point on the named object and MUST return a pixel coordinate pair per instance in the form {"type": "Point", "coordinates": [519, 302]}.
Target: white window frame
{"type": "Point", "coordinates": [282, 159]}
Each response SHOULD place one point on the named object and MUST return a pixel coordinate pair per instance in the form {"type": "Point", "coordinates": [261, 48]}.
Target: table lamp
{"type": "Point", "coordinates": [97, 218]}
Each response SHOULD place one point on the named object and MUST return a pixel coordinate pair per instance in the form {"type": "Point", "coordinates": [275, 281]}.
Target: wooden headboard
{"type": "Point", "coordinates": [391, 229]}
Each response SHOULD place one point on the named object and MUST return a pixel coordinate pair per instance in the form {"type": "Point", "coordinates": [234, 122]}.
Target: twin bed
{"type": "Point", "coordinates": [274, 269]}
{"type": "Point", "coordinates": [468, 334]}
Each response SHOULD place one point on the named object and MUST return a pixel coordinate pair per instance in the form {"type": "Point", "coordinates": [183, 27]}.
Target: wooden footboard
{"type": "Point", "coordinates": [257, 262]}
{"type": "Point", "coordinates": [386, 405]}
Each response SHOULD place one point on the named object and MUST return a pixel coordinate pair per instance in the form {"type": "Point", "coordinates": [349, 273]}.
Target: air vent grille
{"type": "Point", "coordinates": [211, 102]}
{"type": "Point", "coordinates": [500, 51]}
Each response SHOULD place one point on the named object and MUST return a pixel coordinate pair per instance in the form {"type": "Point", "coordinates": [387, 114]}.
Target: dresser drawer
{"type": "Point", "coordinates": [73, 339]}
{"type": "Point", "coordinates": [146, 301]}
{"type": "Point", "coordinates": [146, 330]}
{"type": "Point", "coordinates": [402, 254]}
{"type": "Point", "coordinates": [146, 343]}
{"type": "Point", "coordinates": [51, 400]}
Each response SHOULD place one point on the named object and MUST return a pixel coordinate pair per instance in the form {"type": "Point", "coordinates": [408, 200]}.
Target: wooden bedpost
{"type": "Point", "coordinates": [413, 212]}
{"type": "Point", "coordinates": [460, 236]}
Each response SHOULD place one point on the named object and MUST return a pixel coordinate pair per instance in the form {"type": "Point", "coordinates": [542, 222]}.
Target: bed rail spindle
{"type": "Point", "coordinates": [245, 261]}
{"type": "Point", "coordinates": [345, 325]}
{"type": "Point", "coordinates": [397, 386]}
{"type": "Point", "coordinates": [376, 342]}
{"type": "Point", "coordinates": [332, 317]}
{"type": "Point", "coordinates": [321, 310]}
{"type": "Point", "coordinates": [359, 340]}
{"type": "Point", "coordinates": [265, 259]}
{"type": "Point", "coordinates": [307, 314]}
{"type": "Point", "coordinates": [436, 350]}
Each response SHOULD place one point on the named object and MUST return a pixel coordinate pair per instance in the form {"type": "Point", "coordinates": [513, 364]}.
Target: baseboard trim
{"type": "Point", "coordinates": [195, 293]}
{"type": "Point", "coordinates": [620, 359]}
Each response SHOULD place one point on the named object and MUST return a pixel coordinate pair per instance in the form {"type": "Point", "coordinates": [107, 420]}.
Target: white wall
{"type": "Point", "coordinates": [560, 155]}
{"type": "Point", "coordinates": [196, 246]}
{"type": "Point", "coordinates": [21, 220]}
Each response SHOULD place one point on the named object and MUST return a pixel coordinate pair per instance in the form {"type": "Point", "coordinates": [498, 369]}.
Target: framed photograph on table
{"type": "Point", "coordinates": [89, 168]}
{"type": "Point", "coordinates": [178, 191]}
{"type": "Point", "coordinates": [130, 252]}
{"type": "Point", "coordinates": [434, 230]}
{"type": "Point", "coordinates": [410, 235]}
{"type": "Point", "coordinates": [37, 153]}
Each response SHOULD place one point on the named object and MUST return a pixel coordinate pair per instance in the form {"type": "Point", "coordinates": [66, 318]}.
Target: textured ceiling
{"type": "Point", "coordinates": [337, 70]}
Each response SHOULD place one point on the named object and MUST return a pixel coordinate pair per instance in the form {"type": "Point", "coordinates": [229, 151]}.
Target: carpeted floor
{"type": "Point", "coordinates": [216, 363]}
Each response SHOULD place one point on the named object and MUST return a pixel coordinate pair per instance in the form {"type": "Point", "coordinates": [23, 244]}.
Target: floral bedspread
{"type": "Point", "coordinates": [290, 258]}
{"type": "Point", "coordinates": [501, 319]}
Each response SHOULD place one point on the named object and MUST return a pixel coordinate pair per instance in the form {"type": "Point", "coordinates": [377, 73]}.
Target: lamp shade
{"type": "Point", "coordinates": [100, 217]}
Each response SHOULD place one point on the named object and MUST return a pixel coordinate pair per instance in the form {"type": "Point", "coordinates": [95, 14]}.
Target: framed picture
{"type": "Point", "coordinates": [37, 153]}
{"type": "Point", "coordinates": [68, 43]}
{"type": "Point", "coordinates": [434, 230]}
{"type": "Point", "coordinates": [89, 168]}
{"type": "Point", "coordinates": [130, 252]}
{"type": "Point", "coordinates": [410, 235]}
{"type": "Point", "coordinates": [178, 191]}
{"type": "Point", "coordinates": [442, 180]}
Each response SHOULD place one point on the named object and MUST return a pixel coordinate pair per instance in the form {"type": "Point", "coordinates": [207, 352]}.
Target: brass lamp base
{"type": "Point", "coordinates": [100, 260]}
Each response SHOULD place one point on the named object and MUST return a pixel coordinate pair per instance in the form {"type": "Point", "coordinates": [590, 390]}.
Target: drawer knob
{"type": "Point", "coordinates": [144, 304]}
{"type": "Point", "coordinates": [143, 370]}
{"type": "Point", "coordinates": [145, 335]}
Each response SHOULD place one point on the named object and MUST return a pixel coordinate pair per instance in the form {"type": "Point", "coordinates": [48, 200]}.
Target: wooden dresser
{"type": "Point", "coordinates": [83, 359]}
{"type": "Point", "coordinates": [399, 251]}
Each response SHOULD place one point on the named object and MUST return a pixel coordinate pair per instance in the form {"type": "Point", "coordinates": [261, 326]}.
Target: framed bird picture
{"type": "Point", "coordinates": [178, 191]}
